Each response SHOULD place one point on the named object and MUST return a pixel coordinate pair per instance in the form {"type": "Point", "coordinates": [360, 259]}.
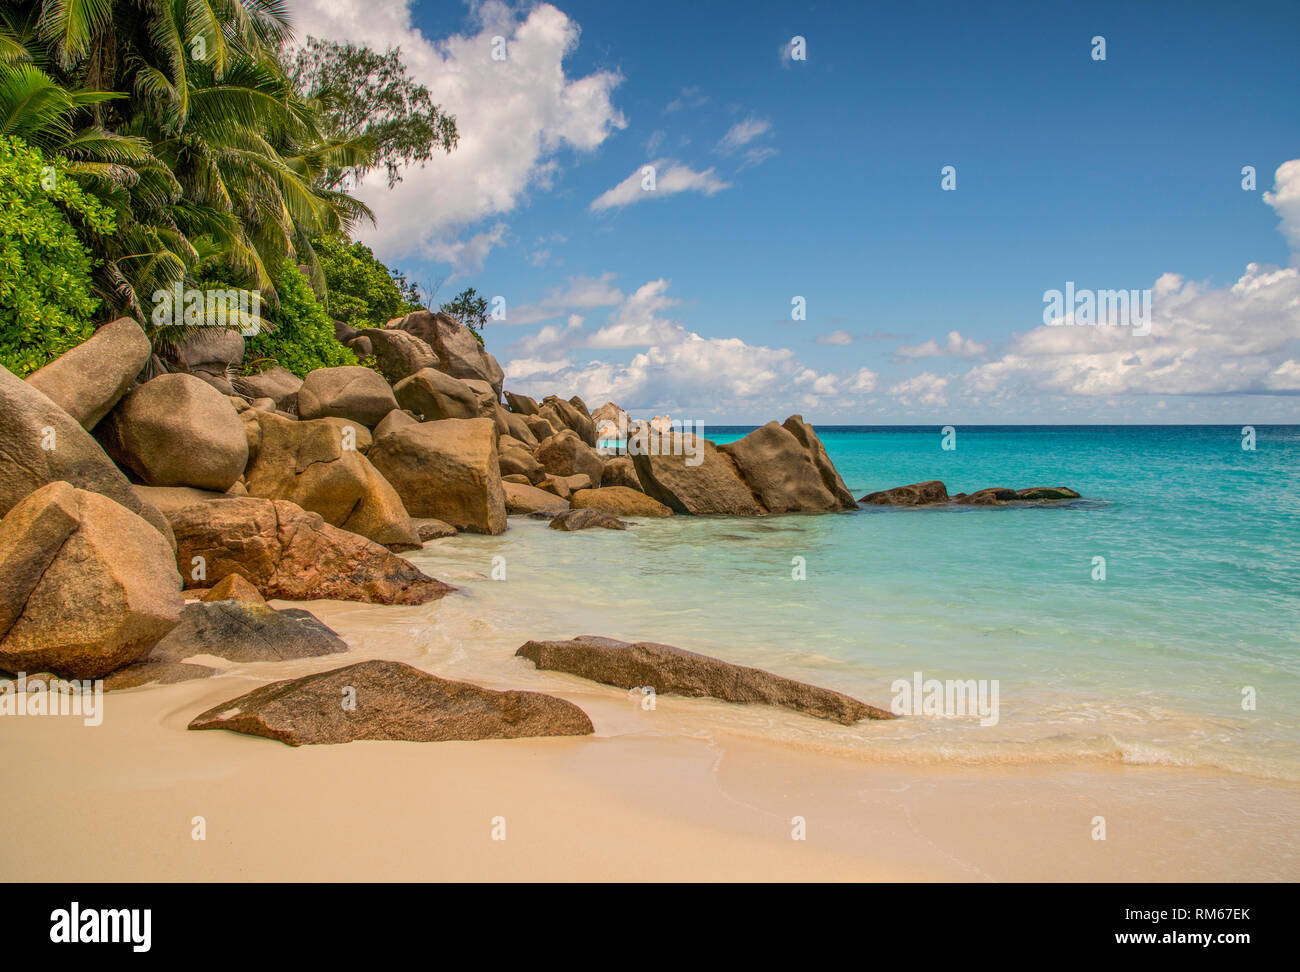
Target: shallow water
{"type": "Point", "coordinates": [1201, 597]}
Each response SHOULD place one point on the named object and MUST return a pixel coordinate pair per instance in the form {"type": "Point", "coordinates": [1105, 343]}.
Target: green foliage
{"type": "Point", "coordinates": [46, 303]}
{"type": "Point", "coordinates": [362, 291]}
{"type": "Point", "coordinates": [302, 336]}
{"type": "Point", "coordinates": [470, 309]}
{"type": "Point", "coordinates": [365, 96]}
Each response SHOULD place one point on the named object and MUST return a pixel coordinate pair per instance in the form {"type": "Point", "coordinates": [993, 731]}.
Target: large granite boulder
{"type": "Point", "coordinates": [177, 430]}
{"type": "Point", "coordinates": [398, 418]}
{"type": "Point", "coordinates": [618, 500]}
{"type": "Point", "coordinates": [310, 463]}
{"type": "Point", "coordinates": [516, 427]}
{"type": "Point", "coordinates": [566, 415]}
{"type": "Point", "coordinates": [459, 352]}
{"type": "Point", "coordinates": [521, 462]}
{"type": "Point", "coordinates": [87, 585]}
{"type": "Point", "coordinates": [214, 354]}
{"type": "Point", "coordinates": [673, 671]}
{"type": "Point", "coordinates": [915, 494]}
{"type": "Point", "coordinates": [566, 454]}
{"type": "Point", "coordinates": [713, 487]}
{"type": "Point", "coordinates": [524, 499]}
{"type": "Point", "coordinates": [446, 469]}
{"type": "Point", "coordinates": [240, 631]}
{"type": "Point", "coordinates": [87, 381]}
{"type": "Point", "coordinates": [347, 392]}
{"type": "Point", "coordinates": [780, 472]}
{"type": "Point", "coordinates": [276, 383]}
{"type": "Point", "coordinates": [521, 404]}
{"type": "Point", "coordinates": [610, 421]}
{"type": "Point", "coordinates": [390, 701]}
{"type": "Point", "coordinates": [399, 354]}
{"type": "Point", "coordinates": [41, 443]}
{"type": "Point", "coordinates": [620, 471]}
{"type": "Point", "coordinates": [434, 395]}
{"type": "Point", "coordinates": [286, 552]}
{"type": "Point", "coordinates": [807, 437]}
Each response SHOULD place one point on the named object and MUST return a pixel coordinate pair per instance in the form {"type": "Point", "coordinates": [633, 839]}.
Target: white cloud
{"type": "Point", "coordinates": [926, 389]}
{"type": "Point", "coordinates": [514, 116]}
{"type": "Point", "coordinates": [956, 346]}
{"type": "Point", "coordinates": [1285, 198]}
{"type": "Point", "coordinates": [467, 256]}
{"type": "Point", "coordinates": [580, 293]}
{"type": "Point", "coordinates": [742, 133]}
{"type": "Point", "coordinates": [840, 337]}
{"type": "Point", "coordinates": [863, 381]}
{"type": "Point", "coordinates": [671, 177]}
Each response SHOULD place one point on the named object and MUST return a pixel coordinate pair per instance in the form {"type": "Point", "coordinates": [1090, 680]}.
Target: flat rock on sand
{"type": "Point", "coordinates": [673, 671]}
{"type": "Point", "coordinates": [393, 701]}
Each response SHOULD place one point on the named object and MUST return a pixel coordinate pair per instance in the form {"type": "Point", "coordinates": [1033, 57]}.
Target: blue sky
{"type": "Point", "coordinates": [820, 178]}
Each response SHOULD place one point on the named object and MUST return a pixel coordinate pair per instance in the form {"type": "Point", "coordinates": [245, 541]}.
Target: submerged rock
{"type": "Point", "coordinates": [391, 701]}
{"type": "Point", "coordinates": [673, 671]}
{"type": "Point", "coordinates": [573, 520]}
{"type": "Point", "coordinates": [619, 501]}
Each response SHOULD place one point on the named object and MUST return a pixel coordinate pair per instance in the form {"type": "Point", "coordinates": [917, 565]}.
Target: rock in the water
{"type": "Point", "coordinates": [575, 520]}
{"type": "Point", "coordinates": [618, 500]}
{"type": "Point", "coordinates": [780, 472]}
{"type": "Point", "coordinates": [670, 670]}
{"type": "Point", "coordinates": [434, 395]}
{"type": "Point", "coordinates": [522, 499]}
{"type": "Point", "coordinates": [177, 430]}
{"type": "Point", "coordinates": [318, 464]}
{"type": "Point", "coordinates": [239, 631]}
{"type": "Point", "coordinates": [286, 552]}
{"type": "Point", "coordinates": [87, 381]}
{"type": "Point", "coordinates": [233, 587]}
{"type": "Point", "coordinates": [393, 701]}
{"type": "Point", "coordinates": [347, 392]}
{"type": "Point", "coordinates": [565, 454]}
{"type": "Point", "coordinates": [459, 352]}
{"type": "Point", "coordinates": [399, 354]}
{"type": "Point", "coordinates": [993, 496]}
{"type": "Point", "coordinates": [668, 473]}
{"type": "Point", "coordinates": [447, 469]}
{"type": "Point", "coordinates": [916, 494]}
{"type": "Point", "coordinates": [278, 384]}
{"type": "Point", "coordinates": [41, 443]}
{"type": "Point", "coordinates": [1037, 493]}
{"type": "Point", "coordinates": [431, 529]}
{"type": "Point", "coordinates": [807, 437]}
{"type": "Point", "coordinates": [108, 591]}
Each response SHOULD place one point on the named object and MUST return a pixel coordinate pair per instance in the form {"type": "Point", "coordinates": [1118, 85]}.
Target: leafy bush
{"type": "Point", "coordinates": [302, 335]}
{"type": "Point", "coordinates": [362, 291]}
{"type": "Point", "coordinates": [46, 302]}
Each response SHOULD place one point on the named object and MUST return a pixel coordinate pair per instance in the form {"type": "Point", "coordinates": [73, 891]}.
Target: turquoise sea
{"type": "Point", "coordinates": [1199, 608]}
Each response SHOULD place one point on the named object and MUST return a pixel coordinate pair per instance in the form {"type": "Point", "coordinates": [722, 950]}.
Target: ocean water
{"type": "Point", "coordinates": [1199, 608]}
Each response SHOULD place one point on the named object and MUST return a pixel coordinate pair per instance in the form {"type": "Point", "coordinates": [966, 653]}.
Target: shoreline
{"type": "Point", "coordinates": [690, 799]}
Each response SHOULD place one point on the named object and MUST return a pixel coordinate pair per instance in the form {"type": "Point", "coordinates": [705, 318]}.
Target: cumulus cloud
{"type": "Point", "coordinates": [863, 381]}
{"type": "Point", "coordinates": [580, 293]}
{"type": "Point", "coordinates": [671, 177]}
{"type": "Point", "coordinates": [926, 390]}
{"type": "Point", "coordinates": [514, 116]}
{"type": "Point", "coordinates": [955, 346]}
{"type": "Point", "coordinates": [1285, 198]}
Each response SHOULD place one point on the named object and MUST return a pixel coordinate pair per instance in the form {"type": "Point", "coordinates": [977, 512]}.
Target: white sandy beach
{"type": "Point", "coordinates": [670, 794]}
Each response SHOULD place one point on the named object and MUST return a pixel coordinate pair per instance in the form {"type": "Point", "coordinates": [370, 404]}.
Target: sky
{"type": "Point", "coordinates": [785, 182]}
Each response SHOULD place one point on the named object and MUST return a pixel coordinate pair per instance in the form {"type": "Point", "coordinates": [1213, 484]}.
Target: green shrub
{"type": "Point", "coordinates": [362, 291]}
{"type": "Point", "coordinates": [46, 306]}
{"type": "Point", "coordinates": [302, 335]}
